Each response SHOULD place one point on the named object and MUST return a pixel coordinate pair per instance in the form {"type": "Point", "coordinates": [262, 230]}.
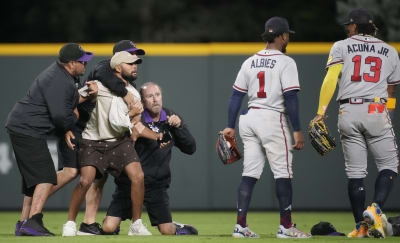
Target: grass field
{"type": "Point", "coordinates": [212, 227]}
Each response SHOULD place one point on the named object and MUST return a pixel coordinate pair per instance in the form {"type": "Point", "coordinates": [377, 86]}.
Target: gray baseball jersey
{"type": "Point", "coordinates": [264, 130]}
{"type": "Point", "coordinates": [265, 76]}
{"type": "Point", "coordinates": [369, 65]}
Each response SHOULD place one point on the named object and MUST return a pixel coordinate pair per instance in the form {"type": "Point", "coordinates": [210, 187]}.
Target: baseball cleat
{"type": "Point", "coordinates": [361, 231]}
{"type": "Point", "coordinates": [243, 232]}
{"type": "Point", "coordinates": [372, 216]}
{"type": "Point", "coordinates": [291, 232]}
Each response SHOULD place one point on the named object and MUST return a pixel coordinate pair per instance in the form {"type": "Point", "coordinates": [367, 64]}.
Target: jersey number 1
{"type": "Point", "coordinates": [261, 81]}
{"type": "Point", "coordinates": [376, 69]}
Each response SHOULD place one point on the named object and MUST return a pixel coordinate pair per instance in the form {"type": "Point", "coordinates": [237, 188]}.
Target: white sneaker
{"type": "Point", "coordinates": [387, 227]}
{"type": "Point", "coordinates": [69, 229]}
{"type": "Point", "coordinates": [292, 232]}
{"type": "Point", "coordinates": [138, 228]}
{"type": "Point", "coordinates": [243, 232]}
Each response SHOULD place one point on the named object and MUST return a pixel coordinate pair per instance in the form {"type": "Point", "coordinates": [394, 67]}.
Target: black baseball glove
{"type": "Point", "coordinates": [320, 138]}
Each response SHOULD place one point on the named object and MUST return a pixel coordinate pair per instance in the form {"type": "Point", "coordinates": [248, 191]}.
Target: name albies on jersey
{"type": "Point", "coordinates": [265, 76]}
{"type": "Point", "coordinates": [369, 65]}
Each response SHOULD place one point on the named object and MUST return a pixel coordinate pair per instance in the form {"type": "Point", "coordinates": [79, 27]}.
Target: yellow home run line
{"type": "Point", "coordinates": [171, 49]}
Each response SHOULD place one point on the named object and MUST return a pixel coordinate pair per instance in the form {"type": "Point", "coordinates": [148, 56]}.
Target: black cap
{"type": "Point", "coordinates": [277, 25]}
{"type": "Point", "coordinates": [127, 45]}
{"type": "Point", "coordinates": [74, 52]}
{"type": "Point", "coordinates": [325, 228]}
{"type": "Point", "coordinates": [359, 16]}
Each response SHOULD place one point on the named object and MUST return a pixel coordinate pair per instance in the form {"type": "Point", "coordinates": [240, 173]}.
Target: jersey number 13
{"type": "Point", "coordinates": [375, 68]}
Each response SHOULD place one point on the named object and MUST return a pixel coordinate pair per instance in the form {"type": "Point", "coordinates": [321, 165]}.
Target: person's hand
{"type": "Point", "coordinates": [68, 136]}
{"type": "Point", "coordinates": [137, 130]}
{"type": "Point", "coordinates": [129, 100]}
{"type": "Point", "coordinates": [136, 108]}
{"type": "Point", "coordinates": [298, 140]}
{"type": "Point", "coordinates": [230, 132]}
{"type": "Point", "coordinates": [93, 88]}
{"type": "Point", "coordinates": [163, 145]}
{"type": "Point", "coordinates": [318, 118]}
{"type": "Point", "coordinates": [134, 134]}
{"type": "Point", "coordinates": [174, 121]}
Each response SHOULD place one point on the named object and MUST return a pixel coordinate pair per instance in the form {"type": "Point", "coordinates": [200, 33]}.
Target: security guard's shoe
{"type": "Point", "coordinates": [361, 231]}
{"type": "Point", "coordinates": [372, 216]}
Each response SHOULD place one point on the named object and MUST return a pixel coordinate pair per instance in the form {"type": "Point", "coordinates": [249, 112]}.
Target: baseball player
{"type": "Point", "coordinates": [365, 68]}
{"type": "Point", "coordinates": [271, 82]}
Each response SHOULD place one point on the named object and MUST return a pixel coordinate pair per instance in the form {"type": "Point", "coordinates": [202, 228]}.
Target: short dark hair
{"type": "Point", "coordinates": [269, 37]}
{"type": "Point", "coordinates": [367, 29]}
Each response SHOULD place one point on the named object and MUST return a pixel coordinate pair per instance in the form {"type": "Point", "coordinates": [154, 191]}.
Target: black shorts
{"type": "Point", "coordinates": [66, 156]}
{"type": "Point", "coordinates": [106, 156]}
{"type": "Point", "coordinates": [34, 161]}
{"type": "Point", "coordinates": [156, 201]}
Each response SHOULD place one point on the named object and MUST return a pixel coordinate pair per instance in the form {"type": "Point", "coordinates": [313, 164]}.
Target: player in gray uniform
{"type": "Point", "coordinates": [271, 82]}
{"type": "Point", "coordinates": [365, 68]}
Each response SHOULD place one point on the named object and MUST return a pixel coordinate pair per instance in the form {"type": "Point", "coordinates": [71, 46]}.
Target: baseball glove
{"type": "Point", "coordinates": [226, 148]}
{"type": "Point", "coordinates": [320, 138]}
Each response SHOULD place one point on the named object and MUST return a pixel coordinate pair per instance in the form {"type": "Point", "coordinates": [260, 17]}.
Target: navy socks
{"type": "Point", "coordinates": [383, 186]}
{"type": "Point", "coordinates": [283, 187]}
{"type": "Point", "coordinates": [245, 191]}
{"type": "Point", "coordinates": [356, 191]}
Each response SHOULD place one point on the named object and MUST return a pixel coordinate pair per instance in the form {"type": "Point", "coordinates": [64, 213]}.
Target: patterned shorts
{"type": "Point", "coordinates": [111, 157]}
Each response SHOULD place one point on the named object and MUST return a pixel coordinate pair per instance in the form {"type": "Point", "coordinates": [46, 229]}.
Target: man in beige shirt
{"type": "Point", "coordinates": [106, 149]}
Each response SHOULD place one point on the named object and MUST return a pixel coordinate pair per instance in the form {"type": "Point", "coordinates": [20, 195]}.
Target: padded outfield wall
{"type": "Point", "coordinates": [197, 82]}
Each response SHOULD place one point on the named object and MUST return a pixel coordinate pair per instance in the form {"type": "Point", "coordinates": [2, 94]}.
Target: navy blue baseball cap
{"type": "Point", "coordinates": [359, 16]}
{"type": "Point", "coordinates": [127, 45]}
{"type": "Point", "coordinates": [277, 25]}
{"type": "Point", "coordinates": [74, 52]}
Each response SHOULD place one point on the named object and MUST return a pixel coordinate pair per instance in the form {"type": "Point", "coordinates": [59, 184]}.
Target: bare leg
{"type": "Point", "coordinates": [42, 192]}
{"type": "Point", "coordinates": [167, 228]}
{"type": "Point", "coordinates": [110, 223]}
{"type": "Point", "coordinates": [26, 208]}
{"type": "Point", "coordinates": [88, 174]}
{"type": "Point", "coordinates": [64, 177]}
{"type": "Point", "coordinates": [136, 176]}
{"type": "Point", "coordinates": [93, 198]}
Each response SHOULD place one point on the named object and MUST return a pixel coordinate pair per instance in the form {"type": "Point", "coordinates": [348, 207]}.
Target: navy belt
{"type": "Point", "coordinates": [358, 101]}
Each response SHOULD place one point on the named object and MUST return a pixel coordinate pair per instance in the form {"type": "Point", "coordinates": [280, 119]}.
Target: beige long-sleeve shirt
{"type": "Point", "coordinates": [99, 126]}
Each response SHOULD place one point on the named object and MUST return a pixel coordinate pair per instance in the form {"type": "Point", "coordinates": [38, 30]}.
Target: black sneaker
{"type": "Point", "coordinates": [89, 229]}
{"type": "Point", "coordinates": [34, 227]}
{"type": "Point", "coordinates": [185, 229]}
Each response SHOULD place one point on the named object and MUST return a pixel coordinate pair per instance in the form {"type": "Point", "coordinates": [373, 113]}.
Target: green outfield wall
{"type": "Point", "coordinates": [197, 82]}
